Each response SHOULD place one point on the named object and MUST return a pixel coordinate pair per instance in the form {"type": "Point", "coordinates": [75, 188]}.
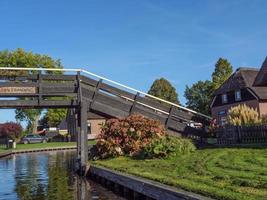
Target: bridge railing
{"type": "Point", "coordinates": [130, 89]}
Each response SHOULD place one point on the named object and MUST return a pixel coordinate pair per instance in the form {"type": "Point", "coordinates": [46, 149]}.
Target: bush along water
{"type": "Point", "coordinates": [139, 137]}
{"type": "Point", "coordinates": [166, 146]}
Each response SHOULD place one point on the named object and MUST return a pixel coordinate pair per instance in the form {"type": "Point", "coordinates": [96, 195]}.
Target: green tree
{"type": "Point", "coordinates": [199, 96]}
{"type": "Point", "coordinates": [223, 70]}
{"type": "Point", "coordinates": [163, 89]}
{"type": "Point", "coordinates": [55, 116]}
{"type": "Point", "coordinates": [31, 116]}
{"type": "Point", "coordinates": [21, 58]}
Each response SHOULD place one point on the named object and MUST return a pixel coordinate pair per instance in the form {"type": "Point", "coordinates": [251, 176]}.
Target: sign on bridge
{"type": "Point", "coordinates": [17, 90]}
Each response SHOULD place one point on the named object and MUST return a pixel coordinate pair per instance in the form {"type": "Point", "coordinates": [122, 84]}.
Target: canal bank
{"type": "Point", "coordinates": [11, 152]}
{"type": "Point", "coordinates": [133, 187]}
{"type": "Point", "coordinates": [124, 185]}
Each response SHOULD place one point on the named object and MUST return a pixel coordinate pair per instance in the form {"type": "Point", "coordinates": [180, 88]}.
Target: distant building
{"type": "Point", "coordinates": [94, 124]}
{"type": "Point", "coordinates": [245, 86]}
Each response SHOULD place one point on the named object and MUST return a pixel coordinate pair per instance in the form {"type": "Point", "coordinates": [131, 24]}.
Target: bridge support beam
{"type": "Point", "coordinates": [82, 141]}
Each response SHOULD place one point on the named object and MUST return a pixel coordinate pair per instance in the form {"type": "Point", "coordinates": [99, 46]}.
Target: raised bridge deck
{"type": "Point", "coordinates": [39, 88]}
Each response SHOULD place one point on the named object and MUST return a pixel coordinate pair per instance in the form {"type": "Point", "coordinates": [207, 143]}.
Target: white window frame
{"type": "Point", "coordinates": [224, 98]}
{"type": "Point", "coordinates": [238, 98]}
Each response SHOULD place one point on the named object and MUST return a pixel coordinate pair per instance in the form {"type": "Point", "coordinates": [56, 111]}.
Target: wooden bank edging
{"type": "Point", "coordinates": [148, 188]}
{"type": "Point", "coordinates": [4, 154]}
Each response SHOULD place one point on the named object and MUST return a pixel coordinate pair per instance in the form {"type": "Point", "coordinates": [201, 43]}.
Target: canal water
{"type": "Point", "coordinates": [46, 176]}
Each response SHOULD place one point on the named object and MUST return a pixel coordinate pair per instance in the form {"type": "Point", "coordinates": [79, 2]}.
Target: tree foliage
{"type": "Point", "coordinates": [163, 89]}
{"type": "Point", "coordinates": [11, 129]}
{"type": "Point", "coordinates": [199, 96]}
{"type": "Point", "coordinates": [223, 70]}
{"type": "Point", "coordinates": [55, 116]}
{"type": "Point", "coordinates": [31, 116]}
{"type": "Point", "coordinates": [242, 115]}
{"type": "Point", "coordinates": [21, 58]}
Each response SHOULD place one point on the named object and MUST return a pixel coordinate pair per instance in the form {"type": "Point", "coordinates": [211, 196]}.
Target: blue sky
{"type": "Point", "coordinates": [136, 41]}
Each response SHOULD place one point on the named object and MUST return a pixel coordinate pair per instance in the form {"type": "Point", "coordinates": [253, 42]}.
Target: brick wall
{"type": "Point", "coordinates": [96, 125]}
{"type": "Point", "coordinates": [263, 108]}
{"type": "Point", "coordinates": [217, 112]}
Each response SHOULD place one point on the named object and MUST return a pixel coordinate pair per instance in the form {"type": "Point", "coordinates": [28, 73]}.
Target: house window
{"type": "Point", "coordinates": [222, 116]}
{"type": "Point", "coordinates": [223, 120]}
{"type": "Point", "coordinates": [238, 95]}
{"type": "Point", "coordinates": [224, 98]}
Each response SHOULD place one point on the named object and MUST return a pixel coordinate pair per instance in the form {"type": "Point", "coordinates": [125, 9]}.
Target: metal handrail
{"type": "Point", "coordinates": [105, 79]}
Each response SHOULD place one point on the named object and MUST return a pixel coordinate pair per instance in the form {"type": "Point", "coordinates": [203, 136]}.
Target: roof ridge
{"type": "Point", "coordinates": [247, 68]}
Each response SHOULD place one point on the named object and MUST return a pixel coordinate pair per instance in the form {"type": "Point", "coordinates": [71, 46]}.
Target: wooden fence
{"type": "Point", "coordinates": [242, 134]}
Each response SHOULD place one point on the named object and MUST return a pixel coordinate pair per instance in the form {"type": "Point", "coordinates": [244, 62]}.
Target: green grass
{"type": "Point", "coordinates": [225, 173]}
{"type": "Point", "coordinates": [44, 145]}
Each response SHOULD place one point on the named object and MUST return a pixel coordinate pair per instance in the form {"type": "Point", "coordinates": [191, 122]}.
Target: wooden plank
{"type": "Point", "coordinates": [19, 78]}
{"type": "Point", "coordinates": [58, 84]}
{"type": "Point", "coordinates": [87, 93]}
{"type": "Point", "coordinates": [50, 94]}
{"type": "Point", "coordinates": [59, 103]}
{"type": "Point", "coordinates": [182, 114]}
{"type": "Point", "coordinates": [115, 91]}
{"type": "Point", "coordinates": [16, 84]}
{"type": "Point", "coordinates": [176, 125]}
{"type": "Point", "coordinates": [153, 103]}
{"type": "Point", "coordinates": [150, 113]}
{"type": "Point", "coordinates": [56, 77]}
{"type": "Point", "coordinates": [114, 102]}
{"type": "Point", "coordinates": [35, 104]}
{"type": "Point", "coordinates": [108, 110]}
{"type": "Point", "coordinates": [59, 89]}
{"type": "Point", "coordinates": [88, 81]}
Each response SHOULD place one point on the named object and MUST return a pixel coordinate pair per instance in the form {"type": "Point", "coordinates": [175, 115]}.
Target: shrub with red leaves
{"type": "Point", "coordinates": [127, 136]}
{"type": "Point", "coordinates": [11, 129]}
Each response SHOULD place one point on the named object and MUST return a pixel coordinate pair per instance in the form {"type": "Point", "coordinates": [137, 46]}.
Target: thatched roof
{"type": "Point", "coordinates": [244, 78]}
{"type": "Point", "coordinates": [261, 79]}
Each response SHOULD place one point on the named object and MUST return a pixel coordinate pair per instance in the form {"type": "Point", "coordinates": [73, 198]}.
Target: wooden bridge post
{"type": "Point", "coordinates": [82, 139]}
{"type": "Point", "coordinates": [171, 111]}
{"type": "Point", "coordinates": [40, 87]}
{"type": "Point", "coordinates": [134, 103]}
{"type": "Point", "coordinates": [84, 135]}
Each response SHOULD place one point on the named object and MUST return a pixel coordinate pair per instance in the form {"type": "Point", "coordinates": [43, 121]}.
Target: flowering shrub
{"type": "Point", "coordinates": [139, 137]}
{"type": "Point", "coordinates": [167, 146]}
{"type": "Point", "coordinates": [11, 129]}
{"type": "Point", "coordinates": [127, 136]}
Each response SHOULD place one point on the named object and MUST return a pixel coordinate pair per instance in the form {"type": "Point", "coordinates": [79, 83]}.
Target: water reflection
{"type": "Point", "coordinates": [44, 176]}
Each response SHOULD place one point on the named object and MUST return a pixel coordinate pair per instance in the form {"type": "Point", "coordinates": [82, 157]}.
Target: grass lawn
{"type": "Point", "coordinates": [222, 173]}
{"type": "Point", "coordinates": [45, 145]}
